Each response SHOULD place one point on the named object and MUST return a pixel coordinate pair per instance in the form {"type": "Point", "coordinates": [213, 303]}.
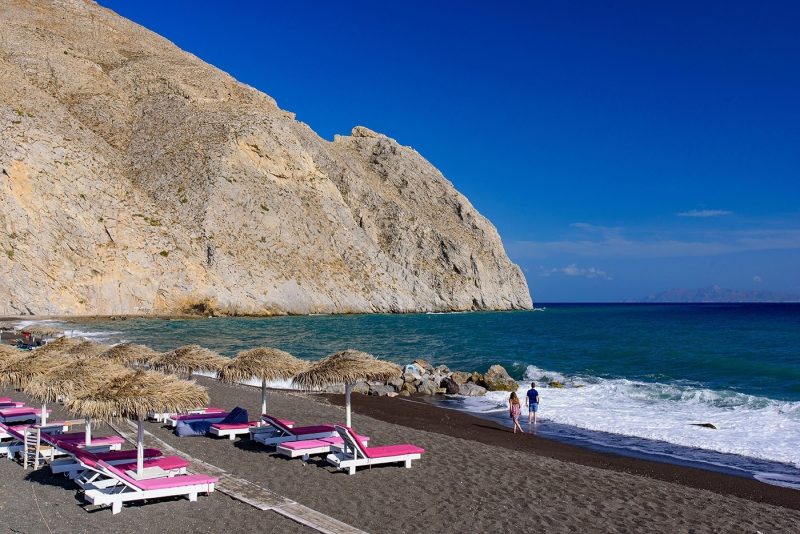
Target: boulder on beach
{"type": "Point", "coordinates": [498, 379]}
{"type": "Point", "coordinates": [423, 364]}
{"type": "Point", "coordinates": [556, 384]}
{"type": "Point", "coordinates": [460, 377]}
{"type": "Point", "coordinates": [470, 389]}
{"type": "Point", "coordinates": [450, 386]}
{"type": "Point", "coordinates": [380, 390]}
{"type": "Point", "coordinates": [427, 387]}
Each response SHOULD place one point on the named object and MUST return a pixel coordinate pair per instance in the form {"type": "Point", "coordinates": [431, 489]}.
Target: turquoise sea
{"type": "Point", "coordinates": [638, 375]}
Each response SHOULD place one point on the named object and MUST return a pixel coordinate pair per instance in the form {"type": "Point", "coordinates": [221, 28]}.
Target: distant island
{"type": "Point", "coordinates": [716, 293]}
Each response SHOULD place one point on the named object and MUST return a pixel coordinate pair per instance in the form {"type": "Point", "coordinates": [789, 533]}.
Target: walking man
{"type": "Point", "coordinates": [532, 401]}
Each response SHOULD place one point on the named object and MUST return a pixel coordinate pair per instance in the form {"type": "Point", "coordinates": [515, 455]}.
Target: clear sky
{"type": "Point", "coordinates": [621, 148]}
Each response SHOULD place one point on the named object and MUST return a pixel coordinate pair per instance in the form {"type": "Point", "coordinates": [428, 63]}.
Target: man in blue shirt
{"type": "Point", "coordinates": [532, 401]}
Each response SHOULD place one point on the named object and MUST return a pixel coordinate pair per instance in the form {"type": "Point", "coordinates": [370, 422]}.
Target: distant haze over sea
{"type": "Point", "coordinates": [718, 294]}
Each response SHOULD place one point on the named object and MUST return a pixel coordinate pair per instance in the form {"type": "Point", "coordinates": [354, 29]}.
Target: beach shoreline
{"type": "Point", "coordinates": [474, 474]}
{"type": "Point", "coordinates": [422, 414]}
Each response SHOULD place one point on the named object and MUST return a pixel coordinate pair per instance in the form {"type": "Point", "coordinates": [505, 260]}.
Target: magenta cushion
{"type": "Point", "coordinates": [166, 463]}
{"type": "Point", "coordinates": [112, 456]}
{"type": "Point", "coordinates": [201, 416]}
{"type": "Point", "coordinates": [392, 450]}
{"type": "Point", "coordinates": [234, 426]}
{"type": "Point", "coordinates": [305, 430]}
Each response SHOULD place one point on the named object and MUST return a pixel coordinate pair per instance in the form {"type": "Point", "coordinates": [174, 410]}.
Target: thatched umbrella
{"type": "Point", "coordinates": [262, 363]}
{"type": "Point", "coordinates": [346, 367]}
{"type": "Point", "coordinates": [17, 373]}
{"type": "Point", "coordinates": [187, 360]}
{"type": "Point", "coordinates": [42, 330]}
{"type": "Point", "coordinates": [8, 353]}
{"type": "Point", "coordinates": [134, 394]}
{"type": "Point", "coordinates": [128, 353]}
{"type": "Point", "coordinates": [59, 346]}
{"type": "Point", "coordinates": [71, 379]}
{"type": "Point", "coordinates": [85, 349]}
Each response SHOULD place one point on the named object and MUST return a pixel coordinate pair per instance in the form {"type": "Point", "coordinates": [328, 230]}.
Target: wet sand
{"type": "Point", "coordinates": [475, 476]}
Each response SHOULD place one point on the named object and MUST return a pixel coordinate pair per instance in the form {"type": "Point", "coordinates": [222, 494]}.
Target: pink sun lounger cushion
{"type": "Point", "coordinates": [200, 416]}
{"type": "Point", "coordinates": [13, 412]}
{"type": "Point", "coordinates": [235, 426]}
{"type": "Point", "coordinates": [167, 463]}
{"type": "Point", "coordinates": [160, 483]}
{"type": "Point", "coordinates": [386, 450]}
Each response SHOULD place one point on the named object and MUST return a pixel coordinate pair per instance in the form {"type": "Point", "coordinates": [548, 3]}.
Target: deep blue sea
{"type": "Point", "coordinates": [638, 375]}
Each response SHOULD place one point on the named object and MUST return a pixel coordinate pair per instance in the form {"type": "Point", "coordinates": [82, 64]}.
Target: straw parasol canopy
{"type": "Point", "coordinates": [346, 367]}
{"type": "Point", "coordinates": [128, 353]}
{"type": "Point", "coordinates": [134, 394]}
{"type": "Point", "coordinates": [8, 353]}
{"type": "Point", "coordinates": [187, 360]}
{"type": "Point", "coordinates": [263, 363]}
{"type": "Point", "coordinates": [59, 345]}
{"type": "Point", "coordinates": [17, 372]}
{"type": "Point", "coordinates": [73, 378]}
{"type": "Point", "coordinates": [85, 349]}
{"type": "Point", "coordinates": [42, 330]}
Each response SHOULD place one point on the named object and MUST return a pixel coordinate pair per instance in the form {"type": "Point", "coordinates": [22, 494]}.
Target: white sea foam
{"type": "Point", "coordinates": [746, 425]}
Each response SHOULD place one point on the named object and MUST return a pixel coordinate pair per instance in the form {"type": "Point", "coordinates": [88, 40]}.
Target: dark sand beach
{"type": "Point", "coordinates": [475, 476]}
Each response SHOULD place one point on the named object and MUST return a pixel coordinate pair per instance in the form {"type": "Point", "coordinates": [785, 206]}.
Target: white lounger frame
{"type": "Point", "coordinates": [114, 491]}
{"type": "Point", "coordinates": [352, 456]}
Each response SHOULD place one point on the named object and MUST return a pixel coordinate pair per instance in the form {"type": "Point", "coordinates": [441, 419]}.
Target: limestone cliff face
{"type": "Point", "coordinates": [138, 179]}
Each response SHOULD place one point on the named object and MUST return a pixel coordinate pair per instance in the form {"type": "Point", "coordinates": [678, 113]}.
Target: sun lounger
{"type": "Point", "coordinates": [128, 489]}
{"type": "Point", "coordinates": [277, 433]}
{"type": "Point", "coordinates": [23, 413]}
{"type": "Point", "coordinates": [162, 417]}
{"type": "Point", "coordinates": [231, 430]}
{"type": "Point", "coordinates": [213, 417]}
{"type": "Point", "coordinates": [71, 467]}
{"type": "Point", "coordinates": [10, 404]}
{"type": "Point", "coordinates": [356, 454]}
{"type": "Point", "coordinates": [309, 447]}
{"type": "Point", "coordinates": [98, 444]}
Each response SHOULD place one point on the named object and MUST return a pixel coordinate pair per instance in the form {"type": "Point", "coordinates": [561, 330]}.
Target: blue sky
{"type": "Point", "coordinates": [621, 148]}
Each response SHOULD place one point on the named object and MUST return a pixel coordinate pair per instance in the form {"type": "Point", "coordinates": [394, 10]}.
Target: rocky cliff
{"type": "Point", "coordinates": [138, 179]}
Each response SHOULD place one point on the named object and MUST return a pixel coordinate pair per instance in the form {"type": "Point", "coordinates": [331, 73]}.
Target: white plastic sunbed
{"type": "Point", "coordinates": [214, 415]}
{"type": "Point", "coordinates": [356, 454]}
{"type": "Point", "coordinates": [128, 489]}
{"type": "Point", "coordinates": [277, 432]}
{"type": "Point", "coordinates": [309, 447]}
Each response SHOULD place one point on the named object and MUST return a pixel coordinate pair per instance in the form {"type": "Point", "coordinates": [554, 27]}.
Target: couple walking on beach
{"type": "Point", "coordinates": [515, 408]}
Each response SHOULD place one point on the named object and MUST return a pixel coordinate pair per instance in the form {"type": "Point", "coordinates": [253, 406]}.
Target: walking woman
{"type": "Point", "coordinates": [514, 409]}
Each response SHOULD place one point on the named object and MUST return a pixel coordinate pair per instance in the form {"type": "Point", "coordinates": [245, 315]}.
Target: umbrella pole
{"type": "Point", "coordinates": [43, 417]}
{"type": "Point", "coordinates": [88, 430]}
{"type": "Point", "coordinates": [263, 396]}
{"type": "Point", "coordinates": [139, 447]}
{"type": "Point", "coordinates": [348, 389]}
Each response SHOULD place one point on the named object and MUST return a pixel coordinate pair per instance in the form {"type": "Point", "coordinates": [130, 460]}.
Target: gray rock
{"type": "Point", "coordinates": [380, 390]}
{"type": "Point", "coordinates": [396, 383]}
{"type": "Point", "coordinates": [423, 364]}
{"type": "Point", "coordinates": [427, 387]}
{"type": "Point", "coordinates": [498, 379]}
{"type": "Point", "coordinates": [471, 389]}
{"type": "Point", "coordinates": [451, 386]}
{"type": "Point", "coordinates": [460, 377]}
{"type": "Point", "coordinates": [361, 387]}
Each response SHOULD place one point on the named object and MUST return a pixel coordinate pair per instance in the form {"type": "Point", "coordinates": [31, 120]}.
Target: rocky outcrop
{"type": "Point", "coordinates": [137, 179]}
{"type": "Point", "coordinates": [498, 379]}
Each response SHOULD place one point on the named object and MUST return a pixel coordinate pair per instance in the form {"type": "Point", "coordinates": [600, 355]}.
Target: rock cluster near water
{"type": "Point", "coordinates": [137, 179]}
{"type": "Point", "coordinates": [422, 378]}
